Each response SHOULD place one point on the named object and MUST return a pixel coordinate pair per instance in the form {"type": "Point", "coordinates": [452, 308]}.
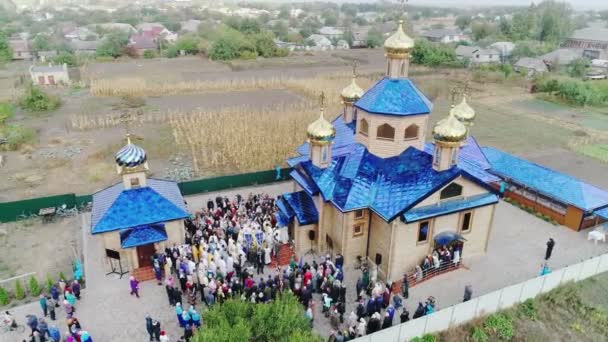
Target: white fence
{"type": "Point", "coordinates": [488, 303]}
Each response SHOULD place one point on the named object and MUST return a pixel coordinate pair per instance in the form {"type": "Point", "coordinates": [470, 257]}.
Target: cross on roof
{"type": "Point", "coordinates": [322, 100]}
{"type": "Point", "coordinates": [355, 69]}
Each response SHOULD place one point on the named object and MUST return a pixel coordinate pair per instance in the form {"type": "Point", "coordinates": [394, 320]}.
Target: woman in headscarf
{"type": "Point", "coordinates": [134, 284]}
{"type": "Point", "coordinates": [178, 312]}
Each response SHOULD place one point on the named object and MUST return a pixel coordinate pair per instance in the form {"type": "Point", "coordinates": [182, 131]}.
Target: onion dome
{"type": "Point", "coordinates": [352, 92]}
{"type": "Point", "coordinates": [449, 130]}
{"type": "Point", "coordinates": [463, 112]}
{"type": "Point", "coordinates": [399, 42]}
{"type": "Point", "coordinates": [321, 131]}
{"type": "Point", "coordinates": [130, 155]}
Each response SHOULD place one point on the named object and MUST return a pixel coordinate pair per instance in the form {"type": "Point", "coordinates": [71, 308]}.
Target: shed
{"type": "Point", "coordinates": [50, 75]}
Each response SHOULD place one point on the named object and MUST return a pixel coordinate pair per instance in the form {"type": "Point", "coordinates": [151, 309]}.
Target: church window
{"type": "Point", "coordinates": [134, 182]}
{"type": "Point", "coordinates": [324, 153]}
{"type": "Point", "coordinates": [454, 159]}
{"type": "Point", "coordinates": [358, 230]}
{"type": "Point", "coordinates": [359, 214]}
{"type": "Point", "coordinates": [466, 222]}
{"type": "Point", "coordinates": [364, 127]}
{"type": "Point", "coordinates": [385, 132]}
{"type": "Point", "coordinates": [437, 158]}
{"type": "Point", "coordinates": [423, 231]}
{"type": "Point", "coordinates": [411, 132]}
{"type": "Point", "coordinates": [452, 190]}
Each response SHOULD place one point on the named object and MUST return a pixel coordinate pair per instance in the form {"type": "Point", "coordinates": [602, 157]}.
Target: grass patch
{"type": "Point", "coordinates": [597, 151]}
{"type": "Point", "coordinates": [36, 100]}
{"type": "Point", "coordinates": [6, 112]}
{"type": "Point", "coordinates": [16, 136]}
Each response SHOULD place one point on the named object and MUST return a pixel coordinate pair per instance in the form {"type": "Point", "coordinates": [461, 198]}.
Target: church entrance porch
{"type": "Point", "coordinates": [145, 254]}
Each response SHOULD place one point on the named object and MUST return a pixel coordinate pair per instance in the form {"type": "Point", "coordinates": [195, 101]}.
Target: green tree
{"type": "Point", "coordinates": [577, 67]}
{"type": "Point", "coordinates": [4, 297]}
{"type": "Point", "coordinates": [6, 53]}
{"type": "Point", "coordinates": [482, 29]}
{"type": "Point", "coordinates": [224, 49]}
{"type": "Point", "coordinates": [149, 54]}
{"type": "Point", "coordinates": [35, 100]}
{"type": "Point", "coordinates": [434, 54]}
{"type": "Point", "coordinates": [330, 18]}
{"type": "Point", "coordinates": [67, 58]}
{"type": "Point", "coordinates": [49, 283]}
{"type": "Point", "coordinates": [34, 286]}
{"type": "Point", "coordinates": [374, 38]}
{"type": "Point", "coordinates": [41, 42]}
{"type": "Point", "coordinates": [113, 44]}
{"type": "Point", "coordinates": [264, 44]}
{"type": "Point", "coordinates": [241, 321]}
{"type": "Point", "coordinates": [463, 21]}
{"type": "Point", "coordinates": [19, 291]}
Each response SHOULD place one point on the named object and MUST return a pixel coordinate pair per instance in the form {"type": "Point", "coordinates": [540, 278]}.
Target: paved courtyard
{"type": "Point", "coordinates": [515, 252]}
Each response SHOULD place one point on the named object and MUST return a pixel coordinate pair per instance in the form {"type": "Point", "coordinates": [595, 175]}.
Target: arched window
{"type": "Point", "coordinates": [385, 131]}
{"type": "Point", "coordinates": [452, 190]}
{"type": "Point", "coordinates": [364, 127]}
{"type": "Point", "coordinates": [411, 132]}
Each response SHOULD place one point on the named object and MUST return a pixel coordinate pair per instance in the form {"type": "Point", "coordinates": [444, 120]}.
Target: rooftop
{"type": "Point", "coordinates": [115, 208]}
{"type": "Point", "coordinates": [394, 97]}
{"type": "Point", "coordinates": [439, 33]}
{"type": "Point", "coordinates": [551, 183]}
{"type": "Point", "coordinates": [299, 205]}
{"type": "Point", "coordinates": [143, 235]}
{"type": "Point", "coordinates": [596, 34]}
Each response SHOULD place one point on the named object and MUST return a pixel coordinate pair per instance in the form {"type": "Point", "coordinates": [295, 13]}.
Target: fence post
{"type": "Point", "coordinates": [452, 316]}
{"type": "Point", "coordinates": [476, 307]}
{"type": "Point", "coordinates": [598, 265]}
{"type": "Point", "coordinates": [578, 278]}
{"type": "Point", "coordinates": [542, 287]}
{"type": "Point", "coordinates": [561, 280]}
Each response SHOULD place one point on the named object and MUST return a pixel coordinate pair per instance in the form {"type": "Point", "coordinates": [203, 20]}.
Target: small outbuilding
{"type": "Point", "coordinates": [50, 75]}
{"type": "Point", "coordinates": [531, 66]}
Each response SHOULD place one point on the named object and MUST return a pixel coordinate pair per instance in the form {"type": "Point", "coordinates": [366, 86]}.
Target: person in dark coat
{"type": "Point", "coordinates": [210, 205]}
{"type": "Point", "coordinates": [405, 316]}
{"type": "Point", "coordinates": [468, 293]}
{"type": "Point", "coordinates": [156, 329]}
{"type": "Point", "coordinates": [387, 322]}
{"type": "Point", "coordinates": [360, 310]}
{"type": "Point", "coordinates": [550, 245]}
{"type": "Point", "coordinates": [419, 311]}
{"type": "Point", "coordinates": [149, 327]}
{"type": "Point", "coordinates": [76, 289]}
{"type": "Point", "coordinates": [405, 287]}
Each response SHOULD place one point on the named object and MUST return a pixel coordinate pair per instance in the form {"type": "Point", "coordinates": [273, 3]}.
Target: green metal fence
{"type": "Point", "coordinates": [12, 211]}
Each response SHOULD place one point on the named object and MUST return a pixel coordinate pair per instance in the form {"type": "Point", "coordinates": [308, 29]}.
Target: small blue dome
{"type": "Point", "coordinates": [131, 155]}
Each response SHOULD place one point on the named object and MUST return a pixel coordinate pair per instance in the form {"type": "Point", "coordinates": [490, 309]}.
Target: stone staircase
{"type": "Point", "coordinates": [285, 254]}
{"type": "Point", "coordinates": [143, 273]}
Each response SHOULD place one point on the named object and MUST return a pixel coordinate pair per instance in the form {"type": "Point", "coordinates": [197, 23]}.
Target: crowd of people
{"type": "Point", "coordinates": [61, 295]}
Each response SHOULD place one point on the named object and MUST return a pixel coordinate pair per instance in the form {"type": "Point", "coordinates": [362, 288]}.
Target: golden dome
{"type": "Point", "coordinates": [352, 92]}
{"type": "Point", "coordinates": [463, 112]}
{"type": "Point", "coordinates": [449, 129]}
{"type": "Point", "coordinates": [321, 131]}
{"type": "Point", "coordinates": [399, 42]}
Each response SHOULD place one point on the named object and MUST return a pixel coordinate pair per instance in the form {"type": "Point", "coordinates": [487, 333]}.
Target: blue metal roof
{"type": "Point", "coordinates": [449, 207]}
{"type": "Point", "coordinates": [386, 186]}
{"type": "Point", "coordinates": [303, 206]}
{"type": "Point", "coordinates": [142, 235]}
{"type": "Point", "coordinates": [551, 183]}
{"type": "Point", "coordinates": [603, 213]}
{"type": "Point", "coordinates": [394, 96]}
{"type": "Point", "coordinates": [115, 208]}
{"type": "Point", "coordinates": [306, 183]}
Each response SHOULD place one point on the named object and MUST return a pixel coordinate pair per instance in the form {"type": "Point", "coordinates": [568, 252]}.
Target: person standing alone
{"type": "Point", "coordinates": [550, 245]}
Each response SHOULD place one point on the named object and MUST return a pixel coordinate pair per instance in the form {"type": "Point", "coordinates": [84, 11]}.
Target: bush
{"type": "Point", "coordinates": [19, 291]}
{"type": "Point", "coordinates": [573, 91]}
{"type": "Point", "coordinates": [49, 283]}
{"type": "Point", "coordinates": [249, 55]}
{"type": "Point", "coordinates": [425, 338]}
{"type": "Point", "coordinates": [527, 310]}
{"type": "Point", "coordinates": [6, 112]}
{"type": "Point", "coordinates": [36, 100]}
{"type": "Point", "coordinates": [62, 276]}
{"type": "Point", "coordinates": [434, 54]}
{"type": "Point", "coordinates": [67, 58]}
{"type": "Point", "coordinates": [501, 325]}
{"type": "Point", "coordinates": [16, 136]}
{"type": "Point", "coordinates": [478, 335]}
{"type": "Point", "coordinates": [4, 297]}
{"type": "Point", "coordinates": [224, 49]}
{"type": "Point", "coordinates": [149, 54]}
{"type": "Point", "coordinates": [34, 286]}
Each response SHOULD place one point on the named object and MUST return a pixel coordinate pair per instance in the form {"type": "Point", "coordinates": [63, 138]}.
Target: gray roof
{"type": "Point", "coordinates": [439, 33]}
{"type": "Point", "coordinates": [531, 63]}
{"type": "Point", "coordinates": [562, 56]}
{"type": "Point", "coordinates": [597, 34]}
{"type": "Point", "coordinates": [47, 68]}
{"type": "Point", "coordinates": [84, 44]}
{"type": "Point", "coordinates": [463, 50]}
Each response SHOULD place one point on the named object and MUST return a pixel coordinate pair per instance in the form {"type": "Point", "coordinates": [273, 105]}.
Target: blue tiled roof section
{"type": "Point", "coordinates": [135, 207]}
{"type": "Point", "coordinates": [142, 235]}
{"type": "Point", "coordinates": [603, 213]}
{"type": "Point", "coordinates": [307, 184]}
{"type": "Point", "coordinates": [303, 206]}
{"type": "Point", "coordinates": [449, 207]}
{"type": "Point", "coordinates": [394, 96]}
{"type": "Point", "coordinates": [386, 186]}
{"type": "Point", "coordinates": [281, 219]}
{"type": "Point", "coordinates": [559, 186]}
{"type": "Point", "coordinates": [285, 209]}
{"type": "Point", "coordinates": [344, 137]}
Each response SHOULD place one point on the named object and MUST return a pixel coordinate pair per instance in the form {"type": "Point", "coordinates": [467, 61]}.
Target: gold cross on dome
{"type": "Point", "coordinates": [404, 7]}
{"type": "Point", "coordinates": [453, 94]}
{"type": "Point", "coordinates": [355, 64]}
{"type": "Point", "coordinates": [466, 88]}
{"type": "Point", "coordinates": [322, 100]}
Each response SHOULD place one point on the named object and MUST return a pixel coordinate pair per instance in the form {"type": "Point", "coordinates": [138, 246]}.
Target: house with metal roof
{"type": "Point", "coordinates": [139, 215]}
{"type": "Point", "coordinates": [443, 35]}
{"type": "Point", "coordinates": [50, 75]}
{"type": "Point", "coordinates": [368, 184]}
{"type": "Point", "coordinates": [569, 201]}
{"type": "Point", "coordinates": [592, 40]}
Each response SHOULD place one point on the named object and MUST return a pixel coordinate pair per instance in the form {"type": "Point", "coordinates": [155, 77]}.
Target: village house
{"type": "Point", "coordinates": [443, 36]}
{"type": "Point", "coordinates": [44, 56]}
{"type": "Point", "coordinates": [81, 33]}
{"type": "Point", "coordinates": [360, 36]}
{"type": "Point", "coordinates": [190, 26]}
{"type": "Point", "coordinates": [126, 28]}
{"type": "Point", "coordinates": [531, 66]}
{"type": "Point", "coordinates": [505, 49]}
{"type": "Point", "coordinates": [331, 32]}
{"type": "Point", "coordinates": [50, 75]}
{"type": "Point", "coordinates": [157, 31]}
{"type": "Point", "coordinates": [84, 47]}
{"type": "Point", "coordinates": [593, 41]}
{"type": "Point", "coordinates": [142, 42]}
{"type": "Point", "coordinates": [319, 42]}
{"type": "Point", "coordinates": [562, 56]}
{"type": "Point", "coordinates": [477, 55]}
{"type": "Point", "coordinates": [21, 49]}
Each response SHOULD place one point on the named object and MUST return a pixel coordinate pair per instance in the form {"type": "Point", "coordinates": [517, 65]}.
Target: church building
{"type": "Point", "coordinates": [368, 185]}
{"type": "Point", "coordinates": [139, 215]}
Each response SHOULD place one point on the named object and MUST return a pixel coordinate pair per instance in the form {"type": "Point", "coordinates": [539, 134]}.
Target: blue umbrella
{"type": "Point", "coordinates": [445, 238]}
